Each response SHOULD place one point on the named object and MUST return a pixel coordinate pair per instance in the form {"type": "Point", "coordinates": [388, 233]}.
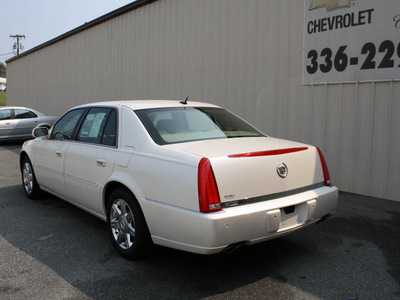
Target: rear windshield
{"type": "Point", "coordinates": [185, 124]}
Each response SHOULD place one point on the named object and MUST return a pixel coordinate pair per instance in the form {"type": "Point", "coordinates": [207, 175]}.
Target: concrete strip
{"type": "Point", "coordinates": [23, 277]}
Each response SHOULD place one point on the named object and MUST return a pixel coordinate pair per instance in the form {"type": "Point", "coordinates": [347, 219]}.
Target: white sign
{"type": "Point", "coordinates": [351, 41]}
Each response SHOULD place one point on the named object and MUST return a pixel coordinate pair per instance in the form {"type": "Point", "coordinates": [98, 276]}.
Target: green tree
{"type": "Point", "coordinates": [3, 69]}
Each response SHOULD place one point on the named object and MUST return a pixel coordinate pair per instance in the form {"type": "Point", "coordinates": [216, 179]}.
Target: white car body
{"type": "Point", "coordinates": [256, 203]}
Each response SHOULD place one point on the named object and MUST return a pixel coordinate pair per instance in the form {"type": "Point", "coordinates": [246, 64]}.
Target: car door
{"type": "Point", "coordinates": [25, 121]}
{"type": "Point", "coordinates": [89, 160]}
{"type": "Point", "coordinates": [6, 123]}
{"type": "Point", "coordinates": [49, 154]}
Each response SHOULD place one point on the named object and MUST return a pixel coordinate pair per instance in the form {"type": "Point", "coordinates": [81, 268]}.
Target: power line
{"type": "Point", "coordinates": [6, 54]}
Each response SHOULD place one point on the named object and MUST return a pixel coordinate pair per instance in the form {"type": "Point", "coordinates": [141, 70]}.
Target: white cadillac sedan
{"type": "Point", "coordinates": [190, 176]}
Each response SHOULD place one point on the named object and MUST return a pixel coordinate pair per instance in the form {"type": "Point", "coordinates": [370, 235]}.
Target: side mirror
{"type": "Point", "coordinates": [40, 131]}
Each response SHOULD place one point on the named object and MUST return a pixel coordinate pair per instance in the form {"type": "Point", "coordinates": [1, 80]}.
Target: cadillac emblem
{"type": "Point", "coordinates": [282, 170]}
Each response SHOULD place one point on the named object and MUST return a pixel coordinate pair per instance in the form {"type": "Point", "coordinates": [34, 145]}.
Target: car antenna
{"type": "Point", "coordinates": [184, 101]}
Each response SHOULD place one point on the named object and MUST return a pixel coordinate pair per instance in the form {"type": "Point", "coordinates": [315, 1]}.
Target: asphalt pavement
{"type": "Point", "coordinates": [50, 249]}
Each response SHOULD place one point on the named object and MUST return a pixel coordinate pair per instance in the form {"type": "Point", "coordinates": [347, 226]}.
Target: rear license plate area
{"type": "Point", "coordinates": [289, 217]}
{"type": "Point", "coordinates": [289, 210]}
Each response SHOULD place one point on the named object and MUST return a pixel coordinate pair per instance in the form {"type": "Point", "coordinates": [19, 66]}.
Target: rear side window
{"type": "Point", "coordinates": [99, 127]}
{"type": "Point", "coordinates": [185, 124]}
{"type": "Point", "coordinates": [64, 128]}
{"type": "Point", "coordinates": [24, 114]}
{"type": "Point", "coordinates": [110, 131]}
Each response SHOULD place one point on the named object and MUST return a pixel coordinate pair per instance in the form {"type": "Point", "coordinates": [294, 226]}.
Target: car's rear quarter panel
{"type": "Point", "coordinates": [168, 181]}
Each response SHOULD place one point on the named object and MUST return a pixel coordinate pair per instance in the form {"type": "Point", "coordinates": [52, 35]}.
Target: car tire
{"type": "Point", "coordinates": [31, 187]}
{"type": "Point", "coordinates": [127, 225]}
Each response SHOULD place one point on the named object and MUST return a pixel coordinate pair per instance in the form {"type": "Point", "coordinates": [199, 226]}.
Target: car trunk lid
{"type": "Point", "coordinates": [247, 168]}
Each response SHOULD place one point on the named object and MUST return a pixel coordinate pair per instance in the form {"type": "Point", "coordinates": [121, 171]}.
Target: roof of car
{"type": "Point", "coordinates": [21, 107]}
{"type": "Point", "coordinates": [146, 104]}
{"type": "Point", "coordinates": [13, 107]}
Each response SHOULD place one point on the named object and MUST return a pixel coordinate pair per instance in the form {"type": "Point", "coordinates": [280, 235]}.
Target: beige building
{"type": "Point", "coordinates": [300, 70]}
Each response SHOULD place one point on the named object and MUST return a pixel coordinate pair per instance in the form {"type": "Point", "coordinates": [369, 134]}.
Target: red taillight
{"type": "Point", "coordinates": [209, 200]}
{"type": "Point", "coordinates": [327, 178]}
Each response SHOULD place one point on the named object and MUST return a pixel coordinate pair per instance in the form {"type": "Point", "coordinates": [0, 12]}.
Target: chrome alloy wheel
{"type": "Point", "coordinates": [122, 224]}
{"type": "Point", "coordinates": [27, 174]}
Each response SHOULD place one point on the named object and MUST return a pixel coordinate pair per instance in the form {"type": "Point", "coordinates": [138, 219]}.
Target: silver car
{"type": "Point", "coordinates": [16, 123]}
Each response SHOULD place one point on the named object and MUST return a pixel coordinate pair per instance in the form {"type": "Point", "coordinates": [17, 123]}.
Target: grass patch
{"type": "Point", "coordinates": [3, 97]}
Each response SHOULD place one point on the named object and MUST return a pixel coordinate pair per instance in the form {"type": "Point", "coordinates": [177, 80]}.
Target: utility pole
{"type": "Point", "coordinates": [17, 45]}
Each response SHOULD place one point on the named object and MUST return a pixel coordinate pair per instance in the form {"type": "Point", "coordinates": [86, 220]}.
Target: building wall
{"type": "Point", "coordinates": [243, 55]}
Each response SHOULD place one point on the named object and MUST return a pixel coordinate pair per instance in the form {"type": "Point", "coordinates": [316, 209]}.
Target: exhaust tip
{"type": "Point", "coordinates": [324, 218]}
{"type": "Point", "coordinates": [233, 247]}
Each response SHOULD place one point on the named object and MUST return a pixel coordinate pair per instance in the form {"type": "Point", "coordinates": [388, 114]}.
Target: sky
{"type": "Point", "coordinates": [43, 20]}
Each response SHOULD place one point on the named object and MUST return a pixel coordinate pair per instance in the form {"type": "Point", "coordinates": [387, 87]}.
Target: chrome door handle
{"type": "Point", "coordinates": [59, 153]}
{"type": "Point", "coordinates": [101, 162]}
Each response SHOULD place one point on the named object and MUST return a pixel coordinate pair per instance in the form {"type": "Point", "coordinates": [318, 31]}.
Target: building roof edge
{"type": "Point", "coordinates": [113, 14]}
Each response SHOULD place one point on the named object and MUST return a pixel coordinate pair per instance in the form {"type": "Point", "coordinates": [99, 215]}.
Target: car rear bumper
{"type": "Point", "coordinates": [247, 224]}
